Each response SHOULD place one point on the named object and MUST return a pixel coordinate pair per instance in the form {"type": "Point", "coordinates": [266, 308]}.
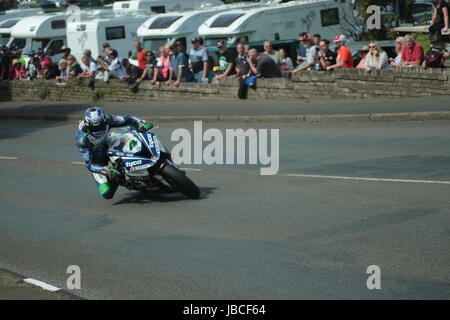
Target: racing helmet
{"type": "Point", "coordinates": [95, 121]}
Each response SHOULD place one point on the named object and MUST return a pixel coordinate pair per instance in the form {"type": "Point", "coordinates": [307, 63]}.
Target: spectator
{"type": "Point", "coordinates": [268, 49]}
{"type": "Point", "coordinates": [439, 21]}
{"type": "Point", "coordinates": [33, 68]}
{"type": "Point", "coordinates": [6, 60]}
{"type": "Point", "coordinates": [179, 66]}
{"type": "Point", "coordinates": [74, 66]}
{"type": "Point", "coordinates": [115, 69]}
{"type": "Point", "coordinates": [150, 67]}
{"type": "Point", "coordinates": [399, 43]}
{"type": "Point", "coordinates": [198, 61]}
{"type": "Point", "coordinates": [225, 60]}
{"type": "Point", "coordinates": [412, 53]}
{"type": "Point", "coordinates": [66, 52]}
{"type": "Point", "coordinates": [327, 57]}
{"type": "Point", "coordinates": [88, 68]}
{"type": "Point", "coordinates": [436, 56]}
{"type": "Point", "coordinates": [265, 65]}
{"type": "Point", "coordinates": [46, 65]}
{"type": "Point", "coordinates": [376, 58]}
{"type": "Point", "coordinates": [63, 70]}
{"type": "Point", "coordinates": [301, 48]}
{"type": "Point", "coordinates": [311, 56]}
{"type": "Point", "coordinates": [241, 64]}
{"type": "Point", "coordinates": [363, 52]}
{"type": "Point", "coordinates": [141, 55]}
{"type": "Point", "coordinates": [18, 71]}
{"type": "Point", "coordinates": [286, 64]}
{"type": "Point", "coordinates": [316, 39]}
{"type": "Point", "coordinates": [133, 74]}
{"type": "Point", "coordinates": [162, 71]}
{"type": "Point", "coordinates": [88, 53]}
{"type": "Point", "coordinates": [344, 55]}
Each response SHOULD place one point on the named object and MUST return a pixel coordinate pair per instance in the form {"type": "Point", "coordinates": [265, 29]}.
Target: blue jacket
{"type": "Point", "coordinates": [94, 150]}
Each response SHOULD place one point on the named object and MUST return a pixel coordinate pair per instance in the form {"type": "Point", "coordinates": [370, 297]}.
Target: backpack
{"type": "Point", "coordinates": [435, 58]}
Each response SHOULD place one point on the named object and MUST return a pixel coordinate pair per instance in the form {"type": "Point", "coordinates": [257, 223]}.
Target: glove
{"type": "Point", "coordinates": [111, 173]}
{"type": "Point", "coordinates": [145, 126]}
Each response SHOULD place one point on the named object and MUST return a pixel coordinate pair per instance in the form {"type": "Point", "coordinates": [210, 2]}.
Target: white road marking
{"type": "Point", "coordinates": [77, 162]}
{"type": "Point", "coordinates": [191, 169]}
{"type": "Point", "coordinates": [41, 284]}
{"type": "Point", "coordinates": [9, 158]}
{"type": "Point", "coordinates": [365, 179]}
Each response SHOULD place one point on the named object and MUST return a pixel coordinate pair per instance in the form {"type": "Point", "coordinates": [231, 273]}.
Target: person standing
{"type": "Point", "coordinates": [344, 55]}
{"type": "Point", "coordinates": [198, 61]}
{"type": "Point", "coordinates": [141, 55]}
{"type": "Point", "coordinates": [439, 22]}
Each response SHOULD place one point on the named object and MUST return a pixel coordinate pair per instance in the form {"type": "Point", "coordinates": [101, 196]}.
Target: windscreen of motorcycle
{"type": "Point", "coordinates": [124, 141]}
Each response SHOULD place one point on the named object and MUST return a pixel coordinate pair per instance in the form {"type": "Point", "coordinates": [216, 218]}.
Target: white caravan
{"type": "Point", "coordinates": [281, 21]}
{"type": "Point", "coordinates": [158, 6]}
{"type": "Point", "coordinates": [5, 30]}
{"type": "Point", "coordinates": [181, 26]}
{"type": "Point", "coordinates": [44, 31]}
{"type": "Point", "coordinates": [119, 30]}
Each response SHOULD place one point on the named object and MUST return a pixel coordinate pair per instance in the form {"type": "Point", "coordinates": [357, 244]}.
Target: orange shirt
{"type": "Point", "coordinates": [344, 54]}
{"type": "Point", "coordinates": [142, 62]}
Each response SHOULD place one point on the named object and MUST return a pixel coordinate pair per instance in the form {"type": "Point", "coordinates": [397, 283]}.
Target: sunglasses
{"type": "Point", "coordinates": [372, 47]}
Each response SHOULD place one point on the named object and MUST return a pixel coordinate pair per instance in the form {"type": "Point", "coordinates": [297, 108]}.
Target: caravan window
{"type": "Point", "coordinates": [329, 17]}
{"type": "Point", "coordinates": [212, 42]}
{"type": "Point", "coordinates": [125, 5]}
{"type": "Point", "coordinates": [18, 43]}
{"type": "Point", "coordinates": [225, 20]}
{"type": "Point", "coordinates": [154, 44]}
{"type": "Point", "coordinates": [163, 22]}
{"type": "Point", "coordinates": [4, 38]}
{"type": "Point", "coordinates": [8, 23]}
{"type": "Point", "coordinates": [114, 33]}
{"type": "Point", "coordinates": [58, 24]}
{"type": "Point", "coordinates": [55, 47]}
{"type": "Point", "coordinates": [158, 9]}
{"type": "Point", "coordinates": [39, 43]}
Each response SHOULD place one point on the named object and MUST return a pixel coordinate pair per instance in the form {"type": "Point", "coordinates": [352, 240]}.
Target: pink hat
{"type": "Point", "coordinates": [339, 37]}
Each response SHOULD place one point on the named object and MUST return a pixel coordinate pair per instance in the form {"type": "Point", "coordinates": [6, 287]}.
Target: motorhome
{"type": "Point", "coordinates": [182, 25]}
{"type": "Point", "coordinates": [158, 6]}
{"type": "Point", "coordinates": [281, 21]}
{"type": "Point", "coordinates": [5, 30]}
{"type": "Point", "coordinates": [119, 27]}
{"type": "Point", "coordinates": [119, 30]}
{"type": "Point", "coordinates": [47, 32]}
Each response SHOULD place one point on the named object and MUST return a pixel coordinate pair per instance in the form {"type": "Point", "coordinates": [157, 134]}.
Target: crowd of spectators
{"type": "Point", "coordinates": [173, 65]}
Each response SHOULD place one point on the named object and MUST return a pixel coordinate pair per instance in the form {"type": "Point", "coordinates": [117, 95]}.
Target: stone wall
{"type": "Point", "coordinates": [348, 83]}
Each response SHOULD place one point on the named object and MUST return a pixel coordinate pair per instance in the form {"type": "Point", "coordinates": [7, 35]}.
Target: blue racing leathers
{"type": "Point", "coordinates": [94, 151]}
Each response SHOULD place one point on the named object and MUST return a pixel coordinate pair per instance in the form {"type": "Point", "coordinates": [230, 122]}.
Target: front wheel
{"type": "Point", "coordinates": [179, 181]}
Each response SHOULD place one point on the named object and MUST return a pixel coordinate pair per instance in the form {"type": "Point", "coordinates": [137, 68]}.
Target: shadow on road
{"type": "Point", "coordinates": [148, 197]}
{"type": "Point", "coordinates": [54, 117]}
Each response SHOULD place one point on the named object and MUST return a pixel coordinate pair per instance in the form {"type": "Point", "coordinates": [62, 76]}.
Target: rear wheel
{"type": "Point", "coordinates": [179, 181]}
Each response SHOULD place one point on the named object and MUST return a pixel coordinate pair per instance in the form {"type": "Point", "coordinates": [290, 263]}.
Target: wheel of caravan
{"type": "Point", "coordinates": [179, 181]}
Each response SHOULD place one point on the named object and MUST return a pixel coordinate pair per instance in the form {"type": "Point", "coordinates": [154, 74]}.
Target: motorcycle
{"type": "Point", "coordinates": [144, 163]}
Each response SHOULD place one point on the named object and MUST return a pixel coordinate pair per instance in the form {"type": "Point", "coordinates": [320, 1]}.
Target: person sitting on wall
{"type": "Point", "coordinates": [327, 57]}
{"type": "Point", "coordinates": [344, 55]}
{"type": "Point", "coordinates": [162, 69]}
{"type": "Point", "coordinates": [265, 65]}
{"type": "Point", "coordinates": [436, 56]}
{"type": "Point", "coordinates": [399, 43]}
{"type": "Point", "coordinates": [311, 56]}
{"type": "Point", "coordinates": [225, 61]}
{"type": "Point", "coordinates": [377, 58]}
{"type": "Point", "coordinates": [133, 74]}
{"type": "Point", "coordinates": [412, 53]}
{"type": "Point", "coordinates": [179, 66]}
{"type": "Point", "coordinates": [63, 70]}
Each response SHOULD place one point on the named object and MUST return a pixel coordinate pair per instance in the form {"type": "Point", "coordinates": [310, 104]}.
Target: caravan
{"type": "Point", "coordinates": [281, 21]}
{"type": "Point", "coordinates": [119, 26]}
{"type": "Point", "coordinates": [44, 31]}
{"type": "Point", "coordinates": [181, 26]}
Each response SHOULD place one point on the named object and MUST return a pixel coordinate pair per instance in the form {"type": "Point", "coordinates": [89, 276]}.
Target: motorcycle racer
{"type": "Point", "coordinates": [92, 144]}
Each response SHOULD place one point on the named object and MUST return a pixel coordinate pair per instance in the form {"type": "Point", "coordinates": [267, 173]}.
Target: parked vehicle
{"type": "Point", "coordinates": [43, 31]}
{"type": "Point", "coordinates": [281, 21]}
{"type": "Point", "coordinates": [158, 6]}
{"type": "Point", "coordinates": [181, 25]}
